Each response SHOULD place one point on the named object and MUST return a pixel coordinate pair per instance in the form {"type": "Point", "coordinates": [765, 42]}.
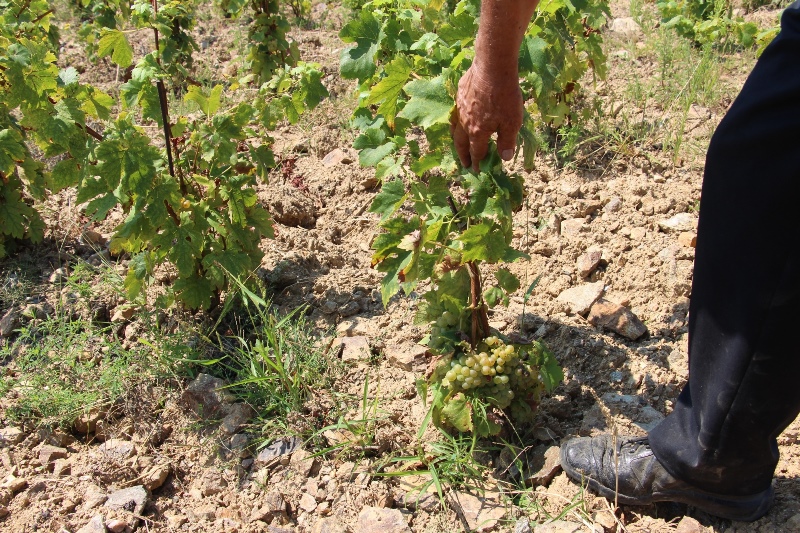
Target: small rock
{"type": "Point", "coordinates": [11, 435]}
{"type": "Point", "coordinates": [688, 239]}
{"type": "Point", "coordinates": [690, 525]}
{"type": "Point", "coordinates": [349, 309]}
{"type": "Point", "coordinates": [678, 362]}
{"type": "Point", "coordinates": [123, 313]}
{"type": "Point", "coordinates": [588, 262]}
{"type": "Point", "coordinates": [616, 318]}
{"type": "Point", "coordinates": [480, 513]}
{"type": "Point", "coordinates": [329, 525]}
{"type": "Point", "coordinates": [62, 467]}
{"type": "Point", "coordinates": [572, 190]}
{"type": "Point", "coordinates": [95, 525]}
{"type": "Point", "coordinates": [276, 449]}
{"type": "Point", "coordinates": [87, 422]}
{"type": "Point", "coordinates": [237, 415]}
{"type": "Point", "coordinates": [133, 499]}
{"type": "Point", "coordinates": [58, 276]}
{"type": "Point", "coordinates": [381, 520]}
{"type": "Point", "coordinates": [678, 223]}
{"type": "Point", "coordinates": [303, 463]}
{"type": "Point", "coordinates": [550, 466]}
{"type": "Point", "coordinates": [605, 520]}
{"type": "Point", "coordinates": [93, 497]}
{"type": "Point", "coordinates": [624, 26]}
{"type": "Point", "coordinates": [116, 526]}
{"type": "Point", "coordinates": [637, 234]}
{"type": "Point", "coordinates": [614, 204]}
{"type": "Point", "coordinates": [206, 395]}
{"type": "Point", "coordinates": [580, 299]}
{"type": "Point", "coordinates": [336, 156]}
{"type": "Point", "coordinates": [353, 348]}
{"type": "Point", "coordinates": [4, 511]}
{"type": "Point", "coordinates": [14, 483]}
{"type": "Point", "coordinates": [793, 524]}
{"type": "Point", "coordinates": [93, 238]}
{"type": "Point", "coordinates": [307, 502]}
{"type": "Point", "coordinates": [48, 454]}
{"type": "Point", "coordinates": [175, 521]}
{"type": "Point", "coordinates": [572, 226]}
{"type": "Point", "coordinates": [559, 526]}
{"type": "Point", "coordinates": [274, 507]}
{"type": "Point", "coordinates": [155, 477]}
{"type": "Point", "coordinates": [408, 356]}
{"type": "Point", "coordinates": [9, 322]}
{"type": "Point", "coordinates": [118, 449]}
{"type": "Point", "coordinates": [523, 525]}
{"type": "Point", "coordinates": [213, 483]}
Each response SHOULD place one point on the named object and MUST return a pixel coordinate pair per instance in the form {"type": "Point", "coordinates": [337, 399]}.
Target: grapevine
{"type": "Point", "coordinates": [442, 224]}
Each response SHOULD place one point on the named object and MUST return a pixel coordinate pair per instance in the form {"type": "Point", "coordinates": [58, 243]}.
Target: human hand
{"type": "Point", "coordinates": [485, 104]}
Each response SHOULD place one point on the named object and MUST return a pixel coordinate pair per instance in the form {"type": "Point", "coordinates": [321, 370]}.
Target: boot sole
{"type": "Point", "coordinates": [737, 508]}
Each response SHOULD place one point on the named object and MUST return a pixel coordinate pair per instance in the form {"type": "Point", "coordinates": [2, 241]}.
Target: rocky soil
{"type": "Point", "coordinates": [611, 241]}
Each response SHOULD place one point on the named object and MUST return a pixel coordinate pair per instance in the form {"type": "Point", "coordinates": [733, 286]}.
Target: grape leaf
{"type": "Point", "coordinates": [386, 91]}
{"type": "Point", "coordinates": [194, 291]}
{"type": "Point", "coordinates": [458, 413]}
{"type": "Point", "coordinates": [486, 241]}
{"type": "Point", "coordinates": [115, 44]}
{"type": "Point", "coordinates": [429, 103]}
{"type": "Point", "coordinates": [207, 104]}
{"type": "Point", "coordinates": [391, 197]}
{"type": "Point", "coordinates": [508, 281]}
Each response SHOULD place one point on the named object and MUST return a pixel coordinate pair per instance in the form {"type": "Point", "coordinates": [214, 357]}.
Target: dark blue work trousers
{"type": "Point", "coordinates": [744, 321]}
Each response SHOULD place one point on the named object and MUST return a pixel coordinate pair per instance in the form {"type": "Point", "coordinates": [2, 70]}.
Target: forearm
{"type": "Point", "coordinates": [502, 27]}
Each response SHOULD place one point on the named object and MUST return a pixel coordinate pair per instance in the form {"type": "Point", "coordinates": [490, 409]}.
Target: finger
{"type": "Point", "coordinates": [478, 148]}
{"type": "Point", "coordinates": [461, 141]}
{"type": "Point", "coordinates": [507, 142]}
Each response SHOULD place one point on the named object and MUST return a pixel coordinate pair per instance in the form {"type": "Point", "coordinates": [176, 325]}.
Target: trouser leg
{"type": "Point", "coordinates": [744, 355]}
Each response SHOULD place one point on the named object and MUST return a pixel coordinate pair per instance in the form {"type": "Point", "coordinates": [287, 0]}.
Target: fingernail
{"type": "Point", "coordinates": [507, 154]}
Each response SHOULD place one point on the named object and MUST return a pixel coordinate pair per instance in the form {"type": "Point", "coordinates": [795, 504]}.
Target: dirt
{"type": "Point", "coordinates": [600, 220]}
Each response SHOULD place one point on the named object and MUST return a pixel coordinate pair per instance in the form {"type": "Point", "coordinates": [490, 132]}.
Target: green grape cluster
{"type": "Point", "coordinates": [496, 371]}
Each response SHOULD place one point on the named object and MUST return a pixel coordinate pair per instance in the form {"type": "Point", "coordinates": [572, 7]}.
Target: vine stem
{"type": "Point", "coordinates": [163, 104]}
{"type": "Point", "coordinates": [480, 320]}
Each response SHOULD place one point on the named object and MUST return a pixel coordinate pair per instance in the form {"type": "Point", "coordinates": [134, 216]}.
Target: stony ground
{"type": "Point", "coordinates": [611, 239]}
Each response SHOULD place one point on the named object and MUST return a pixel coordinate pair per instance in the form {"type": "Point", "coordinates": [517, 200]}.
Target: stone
{"type": "Point", "coordinates": [559, 526]}
{"type": "Point", "coordinates": [407, 356]}
{"type": "Point", "coordinates": [357, 327]}
{"type": "Point", "coordinates": [62, 467]}
{"type": "Point", "coordinates": [336, 156]}
{"type": "Point", "coordinates": [307, 502]}
{"type": "Point", "coordinates": [237, 415]}
{"type": "Point", "coordinates": [616, 318]}
{"type": "Point", "coordinates": [93, 497]}
{"type": "Point", "coordinates": [9, 322]}
{"type": "Point", "coordinates": [678, 362]}
{"type": "Point", "coordinates": [605, 520]}
{"type": "Point", "coordinates": [95, 525]}
{"type": "Point", "coordinates": [175, 521]}
{"type": "Point", "coordinates": [212, 483]}
{"type": "Point", "coordinates": [116, 526]}
{"type": "Point", "coordinates": [274, 507]}
{"type": "Point", "coordinates": [123, 313]}
{"type": "Point", "coordinates": [480, 513]}
{"type": "Point", "coordinates": [93, 238]}
{"type": "Point", "coordinates": [547, 467]}
{"type": "Point", "coordinates": [118, 449]}
{"type": "Point", "coordinates": [580, 299]}
{"type": "Point", "coordinates": [793, 523]}
{"type": "Point", "coordinates": [613, 205]}
{"type": "Point", "coordinates": [678, 223]}
{"type": "Point", "coordinates": [624, 26]}
{"type": "Point", "coordinates": [690, 525]}
{"type": "Point", "coordinates": [206, 395]}
{"type": "Point", "coordinates": [329, 525]}
{"type": "Point", "coordinates": [275, 450]}
{"type": "Point", "coordinates": [354, 349]}
{"type": "Point", "coordinates": [349, 309]}
{"type": "Point", "coordinates": [688, 239]}
{"type": "Point", "coordinates": [4, 512]}
{"type": "Point", "coordinates": [11, 435]}
{"type": "Point", "coordinates": [155, 477]}
{"type": "Point", "coordinates": [58, 276]}
{"type": "Point", "coordinates": [87, 422]}
{"type": "Point", "coordinates": [14, 483]}
{"type": "Point", "coordinates": [381, 520]}
{"type": "Point", "coordinates": [133, 499]}
{"type": "Point", "coordinates": [49, 453]}
{"type": "Point", "coordinates": [572, 226]}
{"type": "Point", "coordinates": [303, 463]}
{"type": "Point", "coordinates": [523, 525]}
{"type": "Point", "coordinates": [588, 262]}
{"type": "Point", "coordinates": [633, 407]}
